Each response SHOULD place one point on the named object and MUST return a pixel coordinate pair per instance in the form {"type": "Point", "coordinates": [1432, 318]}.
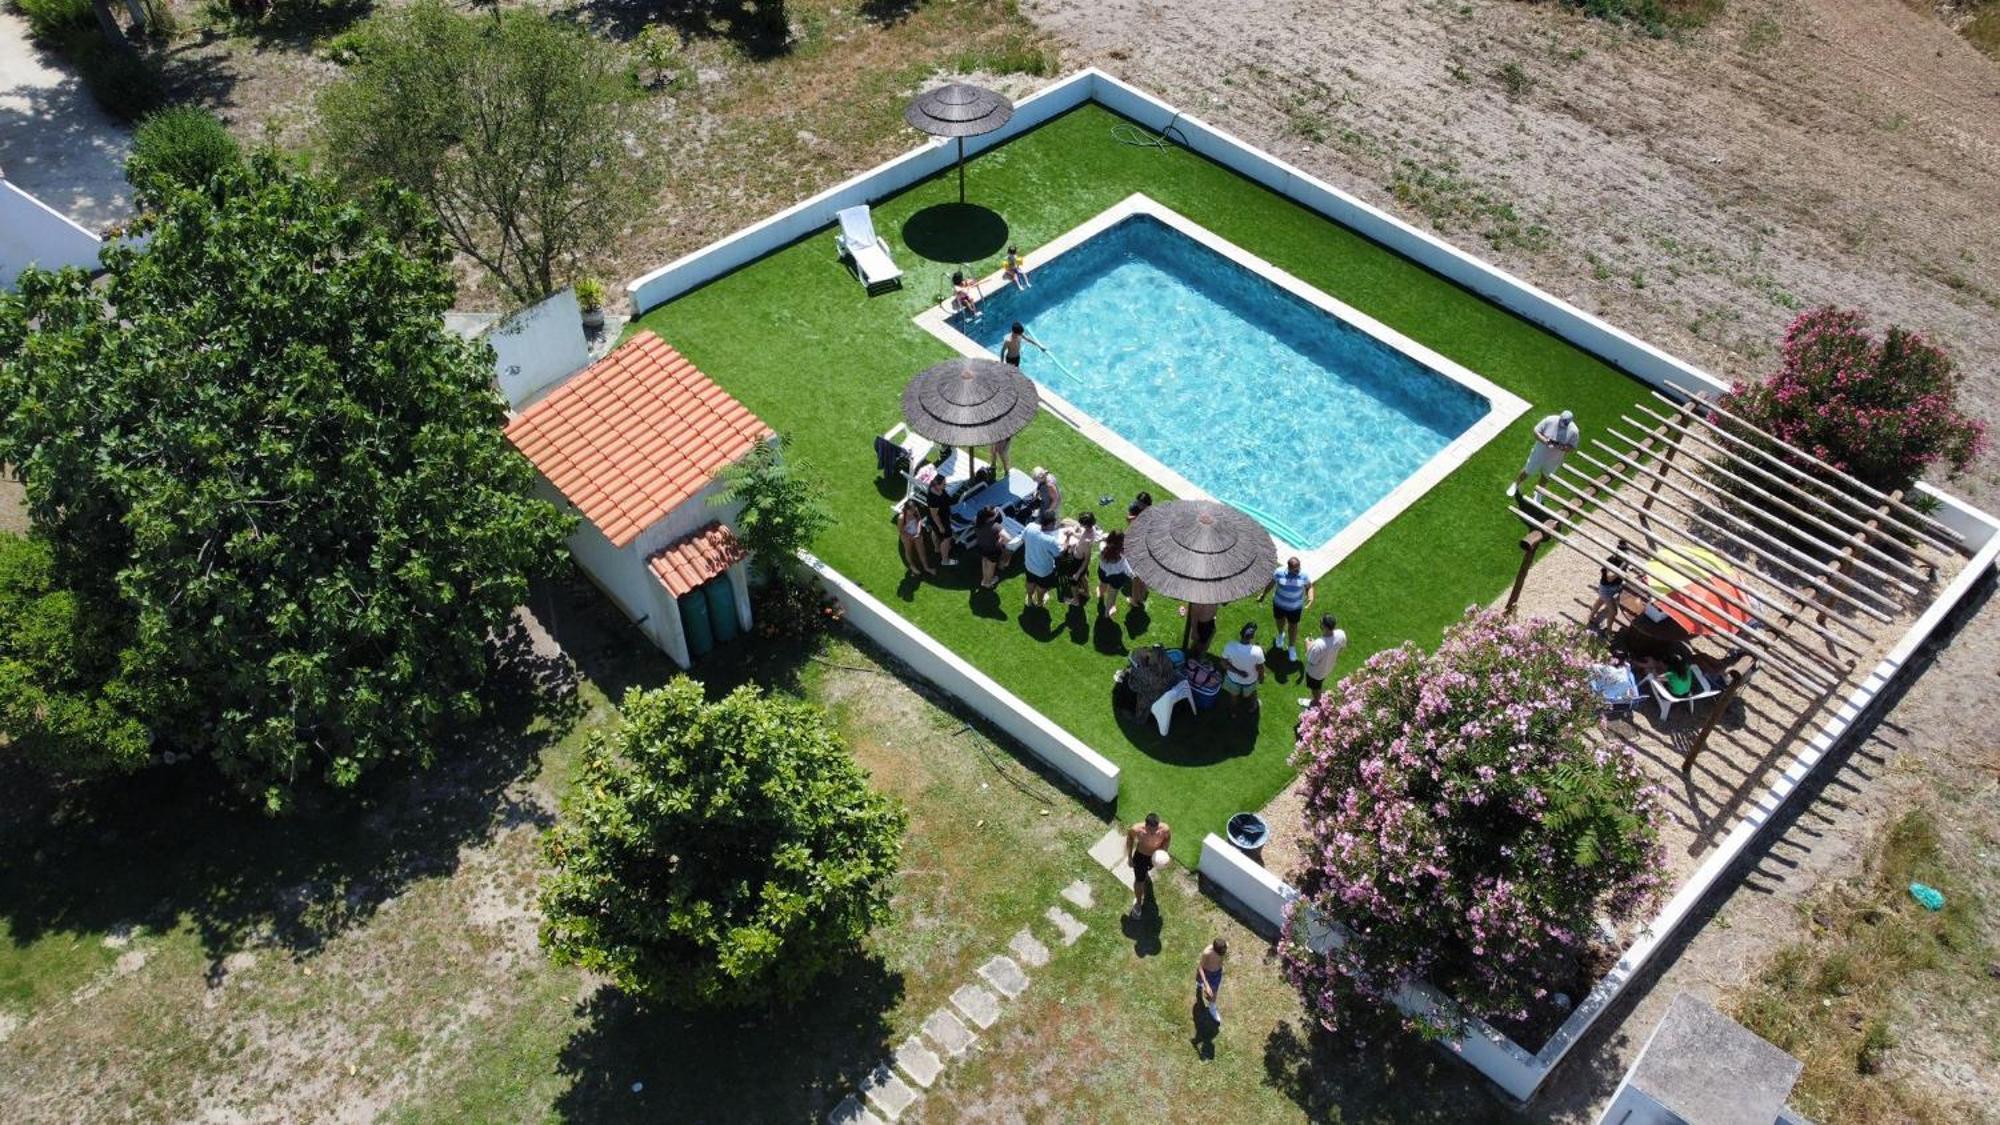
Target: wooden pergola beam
{"type": "Point", "coordinates": [1850, 591]}
{"type": "Point", "coordinates": [1876, 494]}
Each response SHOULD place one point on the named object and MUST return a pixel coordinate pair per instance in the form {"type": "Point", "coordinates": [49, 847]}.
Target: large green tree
{"type": "Point", "coordinates": [718, 855]}
{"type": "Point", "coordinates": [259, 460]}
{"type": "Point", "coordinates": [516, 128]}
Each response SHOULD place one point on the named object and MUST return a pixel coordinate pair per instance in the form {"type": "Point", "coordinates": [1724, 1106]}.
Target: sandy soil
{"type": "Point", "coordinates": [1696, 191]}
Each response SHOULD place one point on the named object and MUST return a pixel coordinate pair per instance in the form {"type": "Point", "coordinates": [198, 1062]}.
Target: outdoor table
{"type": "Point", "coordinates": [999, 494]}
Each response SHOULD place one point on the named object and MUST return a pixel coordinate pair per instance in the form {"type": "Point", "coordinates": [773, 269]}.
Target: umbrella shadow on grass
{"type": "Point", "coordinates": [783, 1063]}
{"type": "Point", "coordinates": [955, 232]}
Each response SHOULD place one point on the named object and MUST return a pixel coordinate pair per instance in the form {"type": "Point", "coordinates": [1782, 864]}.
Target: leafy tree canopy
{"type": "Point", "coordinates": [515, 128]}
{"type": "Point", "coordinates": [259, 455]}
{"type": "Point", "coordinates": [718, 854]}
{"type": "Point", "coordinates": [784, 506]}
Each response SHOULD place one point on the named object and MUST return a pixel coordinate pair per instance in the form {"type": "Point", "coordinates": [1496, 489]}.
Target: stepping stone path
{"type": "Point", "coordinates": [1032, 953]}
{"type": "Point", "coordinates": [1003, 974]}
{"type": "Point", "coordinates": [1070, 927]}
{"type": "Point", "coordinates": [884, 1095]}
{"type": "Point", "coordinates": [850, 1111]}
{"type": "Point", "coordinates": [919, 1062]}
{"type": "Point", "coordinates": [948, 1032]}
{"type": "Point", "coordinates": [887, 1092]}
{"type": "Point", "coordinates": [979, 1005]}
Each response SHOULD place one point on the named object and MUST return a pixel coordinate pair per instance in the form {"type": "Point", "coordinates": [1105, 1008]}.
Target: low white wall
{"type": "Point", "coordinates": [801, 219]}
{"type": "Point", "coordinates": [538, 347]}
{"type": "Point", "coordinates": [1090, 771]}
{"type": "Point", "coordinates": [34, 234]}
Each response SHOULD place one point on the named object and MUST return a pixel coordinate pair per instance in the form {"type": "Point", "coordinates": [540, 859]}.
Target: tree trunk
{"type": "Point", "coordinates": [107, 23]}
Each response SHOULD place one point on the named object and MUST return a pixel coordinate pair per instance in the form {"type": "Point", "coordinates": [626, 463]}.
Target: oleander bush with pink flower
{"type": "Point", "coordinates": [1467, 825]}
{"type": "Point", "coordinates": [1883, 410]}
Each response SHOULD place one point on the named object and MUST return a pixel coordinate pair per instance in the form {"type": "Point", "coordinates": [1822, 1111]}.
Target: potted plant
{"type": "Point", "coordinates": [590, 298]}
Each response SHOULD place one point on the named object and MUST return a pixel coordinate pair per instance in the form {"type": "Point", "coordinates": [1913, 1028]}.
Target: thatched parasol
{"type": "Point", "coordinates": [1200, 551]}
{"type": "Point", "coordinates": [959, 111]}
{"type": "Point", "coordinates": [967, 402]}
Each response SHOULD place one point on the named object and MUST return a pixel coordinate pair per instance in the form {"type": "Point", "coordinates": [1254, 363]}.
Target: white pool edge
{"type": "Point", "coordinates": [1502, 405]}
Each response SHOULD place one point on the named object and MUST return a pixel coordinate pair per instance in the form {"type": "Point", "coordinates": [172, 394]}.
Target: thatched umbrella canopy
{"type": "Point", "coordinates": [968, 402]}
{"type": "Point", "coordinates": [1200, 551]}
{"type": "Point", "coordinates": [959, 111]}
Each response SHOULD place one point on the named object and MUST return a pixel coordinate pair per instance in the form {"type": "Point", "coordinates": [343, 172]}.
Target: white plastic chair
{"type": "Point", "coordinates": [1702, 690]}
{"type": "Point", "coordinates": [1163, 707]}
{"type": "Point", "coordinates": [859, 243]}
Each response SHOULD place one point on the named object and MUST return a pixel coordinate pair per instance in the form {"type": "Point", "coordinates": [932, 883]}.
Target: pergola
{"type": "Point", "coordinates": [1821, 554]}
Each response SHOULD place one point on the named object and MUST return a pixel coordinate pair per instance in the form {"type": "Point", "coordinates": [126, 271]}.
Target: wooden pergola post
{"type": "Point", "coordinates": [1530, 543]}
{"type": "Point", "coordinates": [1716, 709]}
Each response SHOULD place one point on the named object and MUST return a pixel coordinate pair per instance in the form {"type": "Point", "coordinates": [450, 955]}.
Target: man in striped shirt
{"type": "Point", "coordinates": [1292, 594]}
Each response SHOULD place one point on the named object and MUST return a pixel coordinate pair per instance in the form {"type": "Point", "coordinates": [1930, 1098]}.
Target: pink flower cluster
{"type": "Point", "coordinates": [1883, 410]}
{"type": "Point", "coordinates": [1466, 824]}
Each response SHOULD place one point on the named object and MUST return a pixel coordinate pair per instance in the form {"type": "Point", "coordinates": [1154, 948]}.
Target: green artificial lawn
{"type": "Point", "coordinates": [794, 338]}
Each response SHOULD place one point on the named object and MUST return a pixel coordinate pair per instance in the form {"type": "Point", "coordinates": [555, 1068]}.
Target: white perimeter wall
{"type": "Point", "coordinates": [538, 347]}
{"type": "Point", "coordinates": [34, 234]}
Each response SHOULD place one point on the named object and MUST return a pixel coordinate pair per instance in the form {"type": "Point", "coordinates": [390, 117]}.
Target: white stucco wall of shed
{"type": "Point", "coordinates": [538, 347]}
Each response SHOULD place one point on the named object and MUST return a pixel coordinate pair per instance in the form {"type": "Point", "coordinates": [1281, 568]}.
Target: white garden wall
{"type": "Point", "coordinates": [34, 234]}
{"type": "Point", "coordinates": [1086, 768]}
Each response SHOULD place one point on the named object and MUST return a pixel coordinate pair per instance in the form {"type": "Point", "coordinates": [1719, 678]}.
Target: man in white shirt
{"type": "Point", "coordinates": [1245, 661]}
{"type": "Point", "coordinates": [1321, 652]}
{"type": "Point", "coordinates": [1555, 436]}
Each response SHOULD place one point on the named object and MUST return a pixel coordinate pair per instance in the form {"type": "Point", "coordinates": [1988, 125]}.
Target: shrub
{"type": "Point", "coordinates": [793, 610]}
{"type": "Point", "coordinates": [717, 854]}
{"type": "Point", "coordinates": [52, 21]}
{"type": "Point", "coordinates": [57, 649]}
{"type": "Point", "coordinates": [1466, 825]}
{"type": "Point", "coordinates": [122, 80]}
{"type": "Point", "coordinates": [1883, 410]}
{"type": "Point", "coordinates": [784, 507]}
{"type": "Point", "coordinates": [179, 148]}
{"type": "Point", "coordinates": [589, 294]}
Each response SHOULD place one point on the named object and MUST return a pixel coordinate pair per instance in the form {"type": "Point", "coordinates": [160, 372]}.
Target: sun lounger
{"type": "Point", "coordinates": [1616, 687]}
{"type": "Point", "coordinates": [1702, 690]}
{"type": "Point", "coordinates": [859, 243]}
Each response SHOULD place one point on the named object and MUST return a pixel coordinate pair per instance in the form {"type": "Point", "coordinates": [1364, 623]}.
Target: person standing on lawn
{"type": "Point", "coordinates": [1208, 978]}
{"type": "Point", "coordinates": [1321, 652]}
{"type": "Point", "coordinates": [1556, 436]}
{"type": "Point", "coordinates": [1041, 544]}
{"type": "Point", "coordinates": [1245, 670]}
{"type": "Point", "coordinates": [1294, 595]}
{"type": "Point", "coordinates": [1143, 842]}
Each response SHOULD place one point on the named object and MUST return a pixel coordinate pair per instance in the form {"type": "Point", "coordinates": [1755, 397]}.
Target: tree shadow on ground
{"type": "Point", "coordinates": [177, 845]}
{"type": "Point", "coordinates": [789, 1063]}
{"type": "Point", "coordinates": [889, 11]}
{"type": "Point", "coordinates": [759, 29]}
{"type": "Point", "coordinates": [299, 25]}
{"type": "Point", "coordinates": [1331, 1078]}
{"type": "Point", "coordinates": [955, 232]}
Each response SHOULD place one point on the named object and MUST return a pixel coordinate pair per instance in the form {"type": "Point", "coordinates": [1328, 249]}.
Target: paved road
{"type": "Point", "coordinates": [54, 141]}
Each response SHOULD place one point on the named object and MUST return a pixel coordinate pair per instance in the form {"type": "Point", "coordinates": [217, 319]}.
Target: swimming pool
{"type": "Point", "coordinates": [1214, 369]}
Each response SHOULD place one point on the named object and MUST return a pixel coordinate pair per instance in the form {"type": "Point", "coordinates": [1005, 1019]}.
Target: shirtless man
{"type": "Point", "coordinates": [1141, 841]}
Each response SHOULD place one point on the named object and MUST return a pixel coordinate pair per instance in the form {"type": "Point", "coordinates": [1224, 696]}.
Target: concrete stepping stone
{"type": "Point", "coordinates": [850, 1111]}
{"type": "Point", "coordinates": [1064, 921]}
{"type": "Point", "coordinates": [1079, 896]}
{"type": "Point", "coordinates": [946, 1030]}
{"type": "Point", "coordinates": [887, 1092]}
{"type": "Point", "coordinates": [978, 1005]}
{"type": "Point", "coordinates": [1032, 953]}
{"type": "Point", "coordinates": [1109, 852]}
{"type": "Point", "coordinates": [1005, 974]}
{"type": "Point", "coordinates": [919, 1062]}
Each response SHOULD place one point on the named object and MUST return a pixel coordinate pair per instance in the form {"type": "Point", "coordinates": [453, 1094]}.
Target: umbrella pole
{"type": "Point", "coordinates": [961, 169]}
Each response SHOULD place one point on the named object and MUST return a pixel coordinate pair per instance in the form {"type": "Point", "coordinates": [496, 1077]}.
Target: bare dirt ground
{"type": "Point", "coordinates": [1697, 191]}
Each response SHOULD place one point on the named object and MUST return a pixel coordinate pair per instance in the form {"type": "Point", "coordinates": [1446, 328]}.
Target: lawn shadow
{"type": "Point", "coordinates": [955, 232]}
{"type": "Point", "coordinates": [1143, 931]}
{"type": "Point", "coordinates": [1329, 1079]}
{"type": "Point", "coordinates": [177, 845]}
{"type": "Point", "coordinates": [1038, 623]}
{"type": "Point", "coordinates": [1108, 637]}
{"type": "Point", "coordinates": [1197, 738]}
{"type": "Point", "coordinates": [788, 1063]}
{"type": "Point", "coordinates": [1205, 1030]}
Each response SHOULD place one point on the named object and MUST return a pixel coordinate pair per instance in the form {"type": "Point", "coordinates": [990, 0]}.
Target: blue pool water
{"type": "Point", "coordinates": [1256, 396]}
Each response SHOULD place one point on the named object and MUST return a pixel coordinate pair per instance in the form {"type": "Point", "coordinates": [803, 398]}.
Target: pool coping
{"type": "Point", "coordinates": [1503, 407]}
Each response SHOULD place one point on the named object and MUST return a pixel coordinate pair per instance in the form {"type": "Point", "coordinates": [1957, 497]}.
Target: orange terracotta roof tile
{"type": "Point", "coordinates": [635, 434]}
{"type": "Point", "coordinates": [685, 564]}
